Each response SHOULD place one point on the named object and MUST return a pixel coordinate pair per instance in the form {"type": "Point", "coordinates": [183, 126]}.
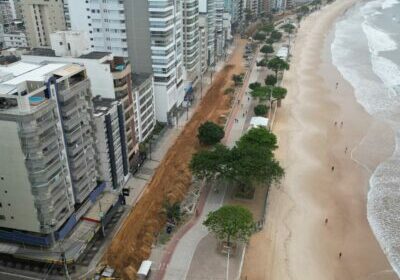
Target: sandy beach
{"type": "Point", "coordinates": [327, 167]}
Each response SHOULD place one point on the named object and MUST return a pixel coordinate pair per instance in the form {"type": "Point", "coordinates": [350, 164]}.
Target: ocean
{"type": "Point", "coordinates": [366, 51]}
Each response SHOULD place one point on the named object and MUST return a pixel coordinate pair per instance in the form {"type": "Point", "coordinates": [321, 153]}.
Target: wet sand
{"type": "Point", "coordinates": [296, 243]}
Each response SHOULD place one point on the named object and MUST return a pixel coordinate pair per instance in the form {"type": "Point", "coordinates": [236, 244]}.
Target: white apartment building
{"type": "Point", "coordinates": [203, 43]}
{"type": "Point", "coordinates": [15, 40]}
{"type": "Point", "coordinates": [191, 42]}
{"type": "Point", "coordinates": [103, 22]}
{"type": "Point", "coordinates": [46, 144]}
{"type": "Point", "coordinates": [165, 17]}
{"type": "Point", "coordinates": [208, 9]}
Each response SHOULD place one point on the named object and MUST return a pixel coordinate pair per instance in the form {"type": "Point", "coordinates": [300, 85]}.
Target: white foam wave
{"type": "Point", "coordinates": [388, 72]}
{"type": "Point", "coordinates": [378, 92]}
{"type": "Point", "coordinates": [389, 3]}
{"type": "Point", "coordinates": [378, 40]}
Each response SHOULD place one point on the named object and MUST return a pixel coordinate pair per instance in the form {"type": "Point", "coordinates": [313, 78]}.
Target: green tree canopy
{"type": "Point", "coordinates": [270, 80]}
{"type": "Point", "coordinates": [261, 93]}
{"type": "Point", "coordinates": [250, 161]}
{"type": "Point", "coordinates": [288, 27]}
{"type": "Point", "coordinates": [210, 133]}
{"type": "Point", "coordinates": [269, 41]}
{"type": "Point", "coordinates": [267, 49]}
{"type": "Point", "coordinates": [230, 223]}
{"type": "Point", "coordinates": [254, 85]}
{"type": "Point", "coordinates": [276, 35]}
{"type": "Point", "coordinates": [261, 110]}
{"type": "Point", "coordinates": [238, 79]}
{"type": "Point", "coordinates": [279, 92]}
{"type": "Point", "coordinates": [268, 28]}
{"type": "Point", "coordinates": [260, 36]}
{"type": "Point", "coordinates": [262, 63]}
{"type": "Point", "coordinates": [277, 64]}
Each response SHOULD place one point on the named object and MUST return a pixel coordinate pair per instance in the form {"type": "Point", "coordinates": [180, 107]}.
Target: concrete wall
{"type": "Point", "coordinates": [138, 34]}
{"type": "Point", "coordinates": [17, 209]}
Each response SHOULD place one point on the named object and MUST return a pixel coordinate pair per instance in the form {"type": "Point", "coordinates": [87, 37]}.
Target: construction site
{"type": "Point", "coordinates": [133, 242]}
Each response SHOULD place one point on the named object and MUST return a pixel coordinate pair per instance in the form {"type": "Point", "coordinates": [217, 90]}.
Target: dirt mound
{"type": "Point", "coordinates": [171, 180]}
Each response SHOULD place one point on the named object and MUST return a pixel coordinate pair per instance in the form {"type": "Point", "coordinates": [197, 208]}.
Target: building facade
{"type": "Point", "coordinates": [48, 141]}
{"type": "Point", "coordinates": [207, 9]}
{"type": "Point", "coordinates": [109, 130]}
{"type": "Point", "coordinates": [103, 22]}
{"type": "Point", "coordinates": [165, 18]}
{"type": "Point", "coordinates": [15, 40]}
{"type": "Point", "coordinates": [191, 42]}
{"type": "Point", "coordinates": [41, 18]}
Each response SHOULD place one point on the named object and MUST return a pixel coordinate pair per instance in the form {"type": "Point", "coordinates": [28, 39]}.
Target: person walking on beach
{"type": "Point", "coordinates": [340, 255]}
{"type": "Point", "coordinates": [341, 124]}
{"type": "Point", "coordinates": [326, 221]}
{"type": "Point", "coordinates": [333, 168]}
{"type": "Point", "coordinates": [335, 123]}
{"type": "Point", "coordinates": [345, 150]}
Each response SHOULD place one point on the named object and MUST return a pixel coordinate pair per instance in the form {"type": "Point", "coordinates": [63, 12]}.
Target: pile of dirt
{"type": "Point", "coordinates": [133, 242]}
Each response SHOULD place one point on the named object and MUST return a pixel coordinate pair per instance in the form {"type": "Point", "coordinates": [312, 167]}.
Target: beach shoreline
{"type": "Point", "coordinates": [328, 167]}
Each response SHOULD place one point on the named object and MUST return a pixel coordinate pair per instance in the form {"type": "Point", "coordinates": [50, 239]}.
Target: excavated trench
{"type": "Point", "coordinates": [132, 244]}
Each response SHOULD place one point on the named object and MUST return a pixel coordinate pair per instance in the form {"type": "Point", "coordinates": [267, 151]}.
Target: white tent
{"type": "Point", "coordinates": [259, 122]}
{"type": "Point", "coordinates": [283, 53]}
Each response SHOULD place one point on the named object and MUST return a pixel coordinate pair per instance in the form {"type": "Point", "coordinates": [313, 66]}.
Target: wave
{"type": "Point", "coordinates": [376, 80]}
{"type": "Point", "coordinates": [378, 40]}
{"type": "Point", "coordinates": [389, 3]}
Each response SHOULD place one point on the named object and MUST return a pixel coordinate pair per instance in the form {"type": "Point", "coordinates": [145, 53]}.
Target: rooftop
{"type": "Point", "coordinates": [102, 105]}
{"type": "Point", "coordinates": [42, 52]}
{"type": "Point", "coordinates": [95, 55]}
{"type": "Point", "coordinates": [139, 78]}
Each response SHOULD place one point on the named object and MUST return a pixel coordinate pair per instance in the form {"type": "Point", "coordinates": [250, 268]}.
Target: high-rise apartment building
{"type": "Point", "coordinates": [6, 12]}
{"type": "Point", "coordinates": [207, 8]}
{"type": "Point", "coordinates": [103, 22]}
{"type": "Point", "coordinates": [41, 18]}
{"type": "Point", "coordinates": [47, 147]}
{"type": "Point", "coordinates": [191, 41]}
{"type": "Point", "coordinates": [253, 6]}
{"type": "Point", "coordinates": [109, 124]}
{"type": "Point", "coordinates": [235, 9]}
{"type": "Point", "coordinates": [219, 28]}
{"type": "Point", "coordinates": [165, 17]}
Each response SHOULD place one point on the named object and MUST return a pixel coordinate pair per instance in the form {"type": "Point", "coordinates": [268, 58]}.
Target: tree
{"type": "Point", "coordinates": [288, 27]}
{"type": "Point", "coordinates": [254, 85]}
{"type": "Point", "coordinates": [261, 110]}
{"type": "Point", "coordinates": [277, 64]}
{"type": "Point", "coordinates": [260, 36]}
{"type": "Point", "coordinates": [230, 223]}
{"type": "Point", "coordinates": [262, 63]}
{"type": "Point", "coordinates": [276, 35]}
{"type": "Point", "coordinates": [268, 28]}
{"type": "Point", "coordinates": [267, 49]}
{"type": "Point", "coordinates": [250, 161]}
{"type": "Point", "coordinates": [210, 133]}
{"type": "Point", "coordinates": [262, 93]}
{"type": "Point", "coordinates": [270, 80]}
{"type": "Point", "coordinates": [237, 79]}
{"type": "Point", "coordinates": [269, 41]}
{"type": "Point", "coordinates": [279, 93]}
{"type": "Point", "coordinates": [173, 212]}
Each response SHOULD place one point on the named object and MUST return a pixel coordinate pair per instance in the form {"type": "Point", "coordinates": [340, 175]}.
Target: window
{"type": "Point", "coordinates": [61, 43]}
{"type": "Point", "coordinates": [2, 217]}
